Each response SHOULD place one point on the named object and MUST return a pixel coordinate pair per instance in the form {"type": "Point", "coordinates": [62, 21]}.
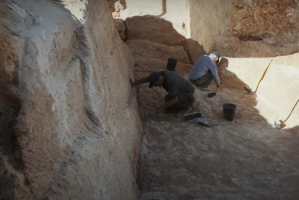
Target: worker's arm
{"type": "Point", "coordinates": [214, 72]}
{"type": "Point", "coordinates": [168, 104]}
{"type": "Point", "coordinates": [139, 81]}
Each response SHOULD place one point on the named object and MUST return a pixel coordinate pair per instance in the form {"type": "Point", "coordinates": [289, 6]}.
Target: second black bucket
{"type": "Point", "coordinates": [229, 110]}
{"type": "Point", "coordinates": [171, 64]}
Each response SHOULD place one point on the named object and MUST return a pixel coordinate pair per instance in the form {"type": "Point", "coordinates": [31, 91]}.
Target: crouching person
{"type": "Point", "coordinates": [180, 91]}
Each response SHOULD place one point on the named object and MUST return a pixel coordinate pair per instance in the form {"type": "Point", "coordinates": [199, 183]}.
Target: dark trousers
{"type": "Point", "coordinates": [185, 101]}
{"type": "Point", "coordinates": [204, 81]}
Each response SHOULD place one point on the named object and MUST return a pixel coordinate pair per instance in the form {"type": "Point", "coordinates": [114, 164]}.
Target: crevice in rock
{"type": "Point", "coordinates": [252, 37]}
{"type": "Point", "coordinates": [83, 56]}
{"type": "Point", "coordinates": [11, 165]}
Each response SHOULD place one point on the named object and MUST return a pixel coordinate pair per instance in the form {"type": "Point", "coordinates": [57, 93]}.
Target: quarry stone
{"type": "Point", "coordinates": [157, 51]}
{"type": "Point", "coordinates": [154, 29]}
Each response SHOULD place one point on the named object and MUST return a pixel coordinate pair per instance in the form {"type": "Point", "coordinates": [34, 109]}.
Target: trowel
{"type": "Point", "coordinates": [212, 94]}
{"type": "Point", "coordinates": [206, 123]}
{"type": "Point", "coordinates": [191, 116]}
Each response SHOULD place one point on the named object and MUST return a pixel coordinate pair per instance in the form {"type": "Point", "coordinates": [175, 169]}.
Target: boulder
{"type": "Point", "coordinates": [194, 50]}
{"type": "Point", "coordinates": [148, 65]}
{"type": "Point", "coordinates": [154, 29]}
{"type": "Point", "coordinates": [157, 51]}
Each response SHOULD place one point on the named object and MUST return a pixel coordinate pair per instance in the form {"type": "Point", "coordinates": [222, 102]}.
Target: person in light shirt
{"type": "Point", "coordinates": [204, 71]}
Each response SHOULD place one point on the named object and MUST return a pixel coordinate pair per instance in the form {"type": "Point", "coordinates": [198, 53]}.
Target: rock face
{"type": "Point", "coordinates": [157, 51]}
{"type": "Point", "coordinates": [275, 22]}
{"type": "Point", "coordinates": [194, 50]}
{"type": "Point", "coordinates": [68, 117]}
{"type": "Point", "coordinates": [150, 56]}
{"type": "Point", "coordinates": [256, 28]}
{"type": "Point", "coordinates": [154, 29]}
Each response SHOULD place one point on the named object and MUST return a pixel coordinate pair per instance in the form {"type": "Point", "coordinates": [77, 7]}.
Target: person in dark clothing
{"type": "Point", "coordinates": [180, 91]}
{"type": "Point", "coordinates": [204, 70]}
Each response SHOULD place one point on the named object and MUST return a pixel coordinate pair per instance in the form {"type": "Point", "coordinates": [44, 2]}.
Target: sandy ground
{"type": "Point", "coordinates": [243, 159]}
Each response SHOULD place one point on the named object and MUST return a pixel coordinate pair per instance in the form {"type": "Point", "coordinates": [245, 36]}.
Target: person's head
{"type": "Point", "coordinates": [216, 57]}
{"type": "Point", "coordinates": [156, 79]}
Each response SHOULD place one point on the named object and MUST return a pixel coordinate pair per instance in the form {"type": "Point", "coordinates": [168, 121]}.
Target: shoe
{"type": "Point", "coordinates": [191, 116]}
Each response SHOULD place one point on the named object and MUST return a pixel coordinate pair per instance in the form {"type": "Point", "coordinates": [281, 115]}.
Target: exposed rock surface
{"type": "Point", "coordinates": [154, 56]}
{"type": "Point", "coordinates": [275, 22]}
{"type": "Point", "coordinates": [157, 51]}
{"type": "Point", "coordinates": [68, 116]}
{"type": "Point", "coordinates": [246, 28]}
{"type": "Point", "coordinates": [154, 29]}
{"type": "Point", "coordinates": [194, 50]}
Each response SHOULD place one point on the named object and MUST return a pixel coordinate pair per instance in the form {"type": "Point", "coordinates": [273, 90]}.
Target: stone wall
{"type": "Point", "coordinates": [69, 118]}
{"type": "Point", "coordinates": [240, 28]}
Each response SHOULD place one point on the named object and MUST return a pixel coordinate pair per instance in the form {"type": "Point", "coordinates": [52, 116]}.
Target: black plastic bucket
{"type": "Point", "coordinates": [229, 110]}
{"type": "Point", "coordinates": [171, 64]}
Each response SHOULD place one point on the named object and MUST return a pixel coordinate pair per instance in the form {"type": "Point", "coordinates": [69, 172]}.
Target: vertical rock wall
{"type": "Point", "coordinates": [69, 120]}
{"type": "Point", "coordinates": [208, 22]}
{"type": "Point", "coordinates": [241, 28]}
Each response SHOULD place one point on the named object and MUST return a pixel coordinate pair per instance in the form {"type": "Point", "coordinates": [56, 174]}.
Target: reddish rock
{"type": "Point", "coordinates": [154, 29]}
{"type": "Point", "coordinates": [147, 65]}
{"type": "Point", "coordinates": [273, 22]}
{"type": "Point", "coordinates": [111, 5]}
{"type": "Point", "coordinates": [157, 51]}
{"type": "Point", "coordinates": [256, 28]}
{"type": "Point", "coordinates": [194, 50]}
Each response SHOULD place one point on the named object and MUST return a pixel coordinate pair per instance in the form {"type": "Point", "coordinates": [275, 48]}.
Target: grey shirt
{"type": "Point", "coordinates": [175, 84]}
{"type": "Point", "coordinates": [202, 66]}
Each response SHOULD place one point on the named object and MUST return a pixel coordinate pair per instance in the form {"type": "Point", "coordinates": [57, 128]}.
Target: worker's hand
{"type": "Point", "coordinates": [219, 84]}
